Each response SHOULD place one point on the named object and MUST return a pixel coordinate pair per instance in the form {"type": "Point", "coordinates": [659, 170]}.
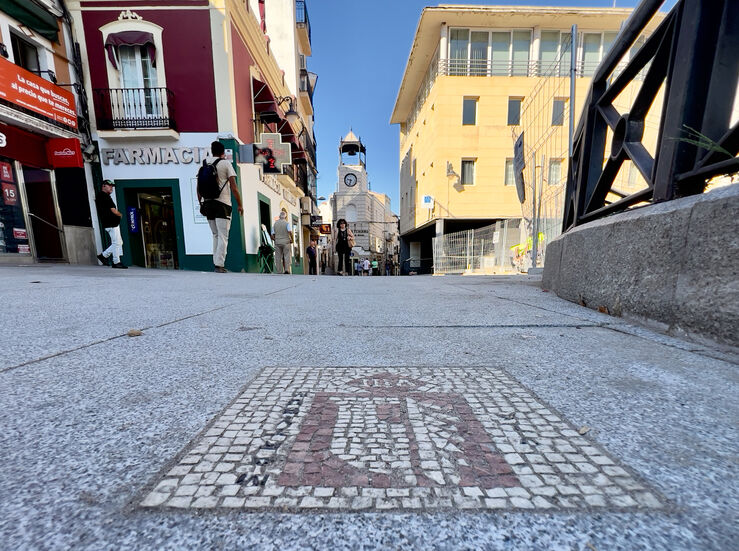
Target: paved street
{"type": "Point", "coordinates": [299, 412]}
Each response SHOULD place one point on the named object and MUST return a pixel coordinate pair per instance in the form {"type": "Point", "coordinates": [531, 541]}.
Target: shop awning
{"type": "Point", "coordinates": [34, 17]}
{"type": "Point", "coordinates": [131, 38]}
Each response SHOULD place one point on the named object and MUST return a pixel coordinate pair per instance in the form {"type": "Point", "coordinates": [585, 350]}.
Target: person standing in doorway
{"type": "Point", "coordinates": [344, 241]}
{"type": "Point", "coordinates": [312, 258]}
{"type": "Point", "coordinates": [110, 217]}
{"type": "Point", "coordinates": [282, 235]}
{"type": "Point", "coordinates": [218, 211]}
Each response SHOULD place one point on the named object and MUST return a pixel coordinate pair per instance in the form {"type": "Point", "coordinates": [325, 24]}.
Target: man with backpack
{"type": "Point", "coordinates": [216, 183]}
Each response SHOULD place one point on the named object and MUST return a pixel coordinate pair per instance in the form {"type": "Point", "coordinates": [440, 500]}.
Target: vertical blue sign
{"type": "Point", "coordinates": [133, 219]}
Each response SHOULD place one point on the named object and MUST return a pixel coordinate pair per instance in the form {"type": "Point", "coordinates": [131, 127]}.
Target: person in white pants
{"type": "Point", "coordinates": [219, 209]}
{"type": "Point", "coordinates": [110, 218]}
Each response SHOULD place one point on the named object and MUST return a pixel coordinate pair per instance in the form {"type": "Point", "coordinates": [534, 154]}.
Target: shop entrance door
{"type": "Point", "coordinates": [157, 229]}
{"type": "Point", "coordinates": [48, 235]}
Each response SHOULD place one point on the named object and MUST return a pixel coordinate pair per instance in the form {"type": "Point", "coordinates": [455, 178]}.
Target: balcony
{"type": "Point", "coordinates": [303, 24]}
{"type": "Point", "coordinates": [307, 87]}
{"type": "Point", "coordinates": [129, 109]}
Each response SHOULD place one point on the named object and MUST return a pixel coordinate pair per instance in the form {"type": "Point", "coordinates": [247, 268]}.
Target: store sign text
{"type": "Point", "coordinates": [153, 155]}
{"type": "Point", "coordinates": [3, 140]}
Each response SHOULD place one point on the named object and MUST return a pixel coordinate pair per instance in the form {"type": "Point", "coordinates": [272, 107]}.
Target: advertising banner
{"type": "Point", "coordinates": [25, 89]}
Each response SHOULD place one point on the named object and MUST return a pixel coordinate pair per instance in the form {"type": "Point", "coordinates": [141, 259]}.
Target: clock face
{"type": "Point", "coordinates": [350, 179]}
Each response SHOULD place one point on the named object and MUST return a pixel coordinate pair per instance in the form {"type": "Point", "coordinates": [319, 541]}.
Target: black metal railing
{"type": "Point", "coordinates": [301, 17]}
{"type": "Point", "coordinates": [131, 108]}
{"type": "Point", "coordinates": [693, 55]}
{"type": "Point", "coordinates": [306, 84]}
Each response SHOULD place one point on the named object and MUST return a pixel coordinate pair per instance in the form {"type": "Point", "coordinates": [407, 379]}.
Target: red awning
{"type": "Point", "coordinates": [130, 38]}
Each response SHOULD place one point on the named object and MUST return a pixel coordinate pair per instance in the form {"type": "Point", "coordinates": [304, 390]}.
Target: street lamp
{"type": "Point", "coordinates": [291, 114]}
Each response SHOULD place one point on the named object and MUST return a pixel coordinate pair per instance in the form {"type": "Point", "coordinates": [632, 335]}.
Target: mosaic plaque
{"type": "Point", "coordinates": [415, 439]}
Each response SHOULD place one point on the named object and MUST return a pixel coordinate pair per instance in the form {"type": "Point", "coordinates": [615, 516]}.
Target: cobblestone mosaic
{"type": "Point", "coordinates": [355, 439]}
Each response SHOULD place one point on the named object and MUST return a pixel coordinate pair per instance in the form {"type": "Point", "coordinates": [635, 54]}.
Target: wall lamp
{"type": "Point", "coordinates": [3, 50]}
{"type": "Point", "coordinates": [291, 115]}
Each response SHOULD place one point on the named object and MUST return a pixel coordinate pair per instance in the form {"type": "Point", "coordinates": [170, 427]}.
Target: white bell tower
{"type": "Point", "coordinates": [352, 171]}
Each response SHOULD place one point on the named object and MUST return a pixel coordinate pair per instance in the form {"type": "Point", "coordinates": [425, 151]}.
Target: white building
{"type": "Point", "coordinates": [368, 213]}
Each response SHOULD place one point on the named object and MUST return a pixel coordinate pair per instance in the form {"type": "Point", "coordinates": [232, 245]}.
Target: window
{"type": "Point", "coordinates": [595, 46]}
{"type": "Point", "coordinates": [510, 178]}
{"type": "Point", "coordinates": [458, 45]}
{"type": "Point", "coordinates": [558, 112]}
{"type": "Point", "coordinates": [25, 54]}
{"type": "Point", "coordinates": [469, 111]}
{"type": "Point", "coordinates": [138, 78]}
{"type": "Point", "coordinates": [468, 172]}
{"type": "Point", "coordinates": [509, 52]}
{"type": "Point", "coordinates": [514, 111]}
{"type": "Point", "coordinates": [554, 53]}
{"type": "Point", "coordinates": [555, 172]}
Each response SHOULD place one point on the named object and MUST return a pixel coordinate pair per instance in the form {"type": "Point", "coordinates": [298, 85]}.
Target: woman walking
{"type": "Point", "coordinates": [344, 242]}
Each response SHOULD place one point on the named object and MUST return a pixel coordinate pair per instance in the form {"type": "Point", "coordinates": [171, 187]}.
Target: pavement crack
{"type": "Point", "coordinates": [102, 341]}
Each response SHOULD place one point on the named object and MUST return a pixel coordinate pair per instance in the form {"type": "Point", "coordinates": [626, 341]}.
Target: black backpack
{"type": "Point", "coordinates": [208, 187]}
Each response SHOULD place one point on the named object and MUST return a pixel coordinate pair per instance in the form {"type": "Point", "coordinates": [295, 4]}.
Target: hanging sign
{"type": "Point", "coordinates": [20, 233]}
{"type": "Point", "coordinates": [272, 154]}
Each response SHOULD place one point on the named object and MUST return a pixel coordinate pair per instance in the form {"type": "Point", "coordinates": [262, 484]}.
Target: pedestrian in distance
{"type": "Point", "coordinates": [312, 258]}
{"type": "Point", "coordinates": [344, 243]}
{"type": "Point", "coordinates": [388, 266]}
{"type": "Point", "coordinates": [366, 266]}
{"type": "Point", "coordinates": [110, 217]}
{"type": "Point", "coordinates": [282, 236]}
{"type": "Point", "coordinates": [216, 184]}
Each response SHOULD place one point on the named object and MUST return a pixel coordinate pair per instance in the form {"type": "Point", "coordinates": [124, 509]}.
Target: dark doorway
{"type": "Point", "coordinates": [265, 216]}
{"type": "Point", "coordinates": [47, 234]}
{"type": "Point", "coordinates": [151, 227]}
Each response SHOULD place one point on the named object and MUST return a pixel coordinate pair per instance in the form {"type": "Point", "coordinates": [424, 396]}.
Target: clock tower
{"type": "Point", "coordinates": [352, 171]}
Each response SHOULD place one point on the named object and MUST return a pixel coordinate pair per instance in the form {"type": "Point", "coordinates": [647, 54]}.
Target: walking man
{"type": "Point", "coordinates": [282, 235]}
{"type": "Point", "coordinates": [218, 210]}
{"type": "Point", "coordinates": [110, 217]}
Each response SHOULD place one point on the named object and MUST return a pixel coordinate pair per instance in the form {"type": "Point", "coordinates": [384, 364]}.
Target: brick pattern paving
{"type": "Point", "coordinates": [301, 439]}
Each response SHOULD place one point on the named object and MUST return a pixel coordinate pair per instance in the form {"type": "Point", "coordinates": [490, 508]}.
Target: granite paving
{"type": "Point", "coordinates": [299, 412]}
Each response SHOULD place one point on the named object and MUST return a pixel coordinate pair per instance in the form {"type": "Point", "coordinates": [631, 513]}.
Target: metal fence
{"type": "Point", "coordinates": [494, 249]}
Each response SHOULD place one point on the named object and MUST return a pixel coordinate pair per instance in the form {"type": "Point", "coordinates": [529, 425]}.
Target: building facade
{"type": "Point", "coordinates": [168, 78]}
{"type": "Point", "coordinates": [459, 109]}
{"type": "Point", "coordinates": [368, 213]}
{"type": "Point", "coordinates": [44, 200]}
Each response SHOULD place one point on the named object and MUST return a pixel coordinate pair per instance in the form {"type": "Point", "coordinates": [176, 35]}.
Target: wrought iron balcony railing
{"type": "Point", "coordinates": [134, 108]}
{"type": "Point", "coordinates": [301, 16]}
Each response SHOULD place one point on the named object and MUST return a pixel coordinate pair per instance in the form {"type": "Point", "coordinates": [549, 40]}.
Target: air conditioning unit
{"type": "Point", "coordinates": [306, 205]}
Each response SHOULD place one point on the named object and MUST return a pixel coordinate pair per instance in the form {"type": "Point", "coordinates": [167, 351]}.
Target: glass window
{"type": "Point", "coordinates": [608, 40]}
{"type": "Point", "coordinates": [469, 111]}
{"type": "Point", "coordinates": [501, 52]}
{"type": "Point", "coordinates": [25, 54]}
{"type": "Point", "coordinates": [590, 53]}
{"type": "Point", "coordinates": [565, 54]}
{"type": "Point", "coordinates": [479, 53]}
{"type": "Point", "coordinates": [13, 233]}
{"type": "Point", "coordinates": [510, 179]}
{"type": "Point", "coordinates": [468, 172]}
{"type": "Point", "coordinates": [548, 51]}
{"type": "Point", "coordinates": [521, 47]}
{"type": "Point", "coordinates": [458, 45]}
{"type": "Point", "coordinates": [514, 111]}
{"type": "Point", "coordinates": [558, 112]}
{"type": "Point", "coordinates": [555, 172]}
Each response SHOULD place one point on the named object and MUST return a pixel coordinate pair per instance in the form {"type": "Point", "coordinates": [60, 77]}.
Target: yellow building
{"type": "Point", "coordinates": [463, 101]}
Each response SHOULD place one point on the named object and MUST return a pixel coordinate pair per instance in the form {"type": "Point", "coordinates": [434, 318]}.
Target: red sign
{"type": "Point", "coordinates": [24, 249]}
{"type": "Point", "coordinates": [27, 90]}
{"type": "Point", "coordinates": [20, 233]}
{"type": "Point", "coordinates": [6, 172]}
{"type": "Point", "coordinates": [64, 152]}
{"type": "Point", "coordinates": [10, 194]}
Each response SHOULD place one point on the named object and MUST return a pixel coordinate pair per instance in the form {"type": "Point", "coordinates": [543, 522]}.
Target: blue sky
{"type": "Point", "coordinates": [360, 48]}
